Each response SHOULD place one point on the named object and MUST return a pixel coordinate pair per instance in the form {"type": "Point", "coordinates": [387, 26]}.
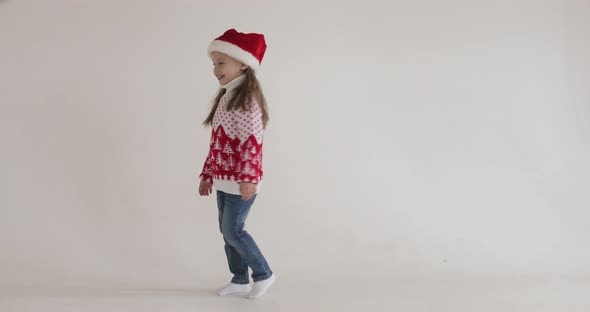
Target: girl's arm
{"type": "Point", "coordinates": [206, 174]}
{"type": "Point", "coordinates": [249, 126]}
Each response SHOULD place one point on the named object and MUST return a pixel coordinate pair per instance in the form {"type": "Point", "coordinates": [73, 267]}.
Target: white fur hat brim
{"type": "Point", "coordinates": [235, 52]}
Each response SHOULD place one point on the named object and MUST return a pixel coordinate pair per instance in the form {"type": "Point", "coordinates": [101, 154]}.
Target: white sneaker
{"type": "Point", "coordinates": [232, 288]}
{"type": "Point", "coordinates": [261, 287]}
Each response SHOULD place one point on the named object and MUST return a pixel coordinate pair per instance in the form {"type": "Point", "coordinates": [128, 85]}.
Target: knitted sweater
{"type": "Point", "coordinates": [235, 148]}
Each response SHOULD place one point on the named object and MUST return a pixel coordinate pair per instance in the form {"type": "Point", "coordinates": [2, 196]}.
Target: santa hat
{"type": "Point", "coordinates": [246, 48]}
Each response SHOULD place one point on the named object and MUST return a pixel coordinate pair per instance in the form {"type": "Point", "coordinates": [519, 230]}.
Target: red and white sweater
{"type": "Point", "coordinates": [235, 148]}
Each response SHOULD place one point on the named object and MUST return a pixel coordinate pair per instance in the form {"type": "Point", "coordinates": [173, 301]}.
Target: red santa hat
{"type": "Point", "coordinates": [247, 48]}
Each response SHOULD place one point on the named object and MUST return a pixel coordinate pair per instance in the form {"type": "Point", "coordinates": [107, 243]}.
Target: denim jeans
{"type": "Point", "coordinates": [240, 248]}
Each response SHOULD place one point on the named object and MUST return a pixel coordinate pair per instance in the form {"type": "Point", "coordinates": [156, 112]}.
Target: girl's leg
{"type": "Point", "coordinates": [236, 264]}
{"type": "Point", "coordinates": [235, 211]}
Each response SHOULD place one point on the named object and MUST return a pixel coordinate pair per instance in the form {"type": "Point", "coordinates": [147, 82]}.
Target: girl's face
{"type": "Point", "coordinates": [226, 68]}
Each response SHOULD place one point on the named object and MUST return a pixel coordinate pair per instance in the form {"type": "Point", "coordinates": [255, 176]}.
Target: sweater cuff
{"type": "Point", "coordinates": [206, 177]}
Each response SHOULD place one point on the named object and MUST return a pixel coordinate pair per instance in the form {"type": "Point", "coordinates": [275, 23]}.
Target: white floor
{"type": "Point", "coordinates": [335, 293]}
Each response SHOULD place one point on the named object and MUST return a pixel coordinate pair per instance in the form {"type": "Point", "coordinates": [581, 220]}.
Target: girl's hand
{"type": "Point", "coordinates": [205, 188]}
{"type": "Point", "coordinates": [248, 189]}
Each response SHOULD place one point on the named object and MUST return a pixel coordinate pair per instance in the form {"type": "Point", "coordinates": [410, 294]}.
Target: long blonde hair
{"type": "Point", "coordinates": [249, 88]}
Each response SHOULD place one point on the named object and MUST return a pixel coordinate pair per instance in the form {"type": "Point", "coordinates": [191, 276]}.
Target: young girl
{"type": "Point", "coordinates": [234, 163]}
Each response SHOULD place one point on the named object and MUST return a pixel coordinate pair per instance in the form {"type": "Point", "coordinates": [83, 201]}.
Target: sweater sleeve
{"type": "Point", "coordinates": [250, 129]}
{"type": "Point", "coordinates": [206, 172]}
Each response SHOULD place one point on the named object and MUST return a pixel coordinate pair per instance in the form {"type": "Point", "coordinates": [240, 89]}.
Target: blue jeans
{"type": "Point", "coordinates": [240, 248]}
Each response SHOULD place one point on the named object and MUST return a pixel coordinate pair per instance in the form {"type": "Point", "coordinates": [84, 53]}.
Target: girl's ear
{"type": "Point", "coordinates": [244, 67]}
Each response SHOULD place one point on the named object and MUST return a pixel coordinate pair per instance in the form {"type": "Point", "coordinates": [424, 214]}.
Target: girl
{"type": "Point", "coordinates": [234, 163]}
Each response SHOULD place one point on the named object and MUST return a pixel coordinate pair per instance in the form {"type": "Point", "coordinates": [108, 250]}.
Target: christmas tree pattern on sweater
{"type": "Point", "coordinates": [235, 149]}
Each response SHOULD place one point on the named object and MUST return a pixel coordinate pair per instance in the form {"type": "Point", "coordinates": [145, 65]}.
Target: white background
{"type": "Point", "coordinates": [423, 137]}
